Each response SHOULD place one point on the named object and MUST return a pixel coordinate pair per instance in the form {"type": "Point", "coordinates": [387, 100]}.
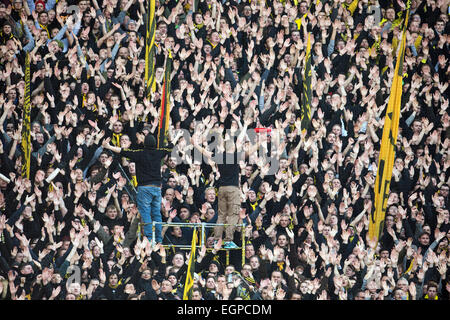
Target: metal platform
{"type": "Point", "coordinates": [201, 227]}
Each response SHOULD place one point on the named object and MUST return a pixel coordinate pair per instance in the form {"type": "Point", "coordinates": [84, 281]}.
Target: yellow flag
{"type": "Point", "coordinates": [307, 93]}
{"type": "Point", "coordinates": [190, 271]}
{"type": "Point", "coordinates": [26, 126]}
{"type": "Point", "coordinates": [353, 6]}
{"type": "Point", "coordinates": [299, 21]}
{"type": "Point", "coordinates": [388, 142]}
{"type": "Point", "coordinates": [150, 84]}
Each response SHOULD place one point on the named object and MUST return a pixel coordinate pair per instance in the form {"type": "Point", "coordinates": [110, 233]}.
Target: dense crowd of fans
{"type": "Point", "coordinates": [236, 65]}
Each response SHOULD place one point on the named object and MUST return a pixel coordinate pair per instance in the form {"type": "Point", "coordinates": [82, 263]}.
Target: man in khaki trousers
{"type": "Point", "coordinates": [229, 206]}
{"type": "Point", "coordinates": [229, 197]}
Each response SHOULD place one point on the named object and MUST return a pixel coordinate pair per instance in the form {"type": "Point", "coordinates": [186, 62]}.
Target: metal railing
{"type": "Point", "coordinates": [202, 227]}
{"type": "Point", "coordinates": [129, 187]}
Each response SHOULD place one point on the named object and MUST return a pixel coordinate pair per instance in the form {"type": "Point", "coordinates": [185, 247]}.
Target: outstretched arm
{"type": "Point", "coordinates": [106, 145]}
{"type": "Point", "coordinates": [205, 152]}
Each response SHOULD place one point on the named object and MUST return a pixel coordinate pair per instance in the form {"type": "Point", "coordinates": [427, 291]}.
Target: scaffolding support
{"type": "Point", "coordinates": [202, 226]}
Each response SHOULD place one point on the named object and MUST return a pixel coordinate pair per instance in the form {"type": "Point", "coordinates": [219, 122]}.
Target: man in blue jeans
{"type": "Point", "coordinates": [148, 175]}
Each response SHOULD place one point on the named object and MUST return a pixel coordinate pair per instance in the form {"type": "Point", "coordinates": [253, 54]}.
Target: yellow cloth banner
{"type": "Point", "coordinates": [190, 271]}
{"type": "Point", "coordinates": [150, 83]}
{"type": "Point", "coordinates": [307, 93]}
{"type": "Point", "coordinates": [352, 7]}
{"type": "Point", "coordinates": [388, 142]}
{"type": "Point", "coordinates": [26, 126]}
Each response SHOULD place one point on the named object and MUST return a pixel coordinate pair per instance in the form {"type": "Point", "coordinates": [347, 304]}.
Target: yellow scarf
{"type": "Point", "coordinates": [280, 265]}
{"type": "Point", "coordinates": [83, 101]}
{"type": "Point", "coordinates": [394, 45]}
{"type": "Point", "coordinates": [291, 225]}
{"type": "Point", "coordinates": [352, 6]}
{"type": "Point", "coordinates": [410, 266]}
{"type": "Point", "coordinates": [299, 21]}
{"type": "Point", "coordinates": [83, 104]}
{"type": "Point", "coordinates": [250, 279]}
{"type": "Point", "coordinates": [116, 139]}
{"type": "Point", "coordinates": [115, 286]}
{"type": "Point", "coordinates": [199, 26]}
{"type": "Point", "coordinates": [46, 29]}
{"type": "Point", "coordinates": [375, 45]}
{"type": "Point", "coordinates": [212, 45]}
{"type": "Point", "coordinates": [418, 42]}
{"type": "Point", "coordinates": [10, 37]}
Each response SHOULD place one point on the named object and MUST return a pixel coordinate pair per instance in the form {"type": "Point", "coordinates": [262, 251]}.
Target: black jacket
{"type": "Point", "coordinates": [148, 165]}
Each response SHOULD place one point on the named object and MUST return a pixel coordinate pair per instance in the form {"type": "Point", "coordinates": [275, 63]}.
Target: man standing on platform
{"type": "Point", "coordinates": [148, 174]}
{"type": "Point", "coordinates": [229, 195]}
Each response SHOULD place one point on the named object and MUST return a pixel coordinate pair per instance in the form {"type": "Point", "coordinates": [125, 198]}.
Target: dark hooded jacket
{"type": "Point", "coordinates": [148, 162]}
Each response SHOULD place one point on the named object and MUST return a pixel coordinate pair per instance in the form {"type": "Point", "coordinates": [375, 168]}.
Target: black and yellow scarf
{"type": "Point", "coordinates": [46, 29]}
{"type": "Point", "coordinates": [199, 26]}
{"type": "Point", "coordinates": [134, 182]}
{"type": "Point", "coordinates": [280, 266]}
{"type": "Point", "coordinates": [84, 102]}
{"type": "Point", "coordinates": [253, 205]}
{"type": "Point", "coordinates": [108, 24]}
{"type": "Point", "coordinates": [250, 280]}
{"type": "Point", "coordinates": [5, 38]}
{"type": "Point", "coordinates": [243, 292]}
{"type": "Point", "coordinates": [115, 286]}
{"type": "Point", "coordinates": [212, 45]}
{"type": "Point", "coordinates": [116, 139]}
{"type": "Point", "coordinates": [352, 6]}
